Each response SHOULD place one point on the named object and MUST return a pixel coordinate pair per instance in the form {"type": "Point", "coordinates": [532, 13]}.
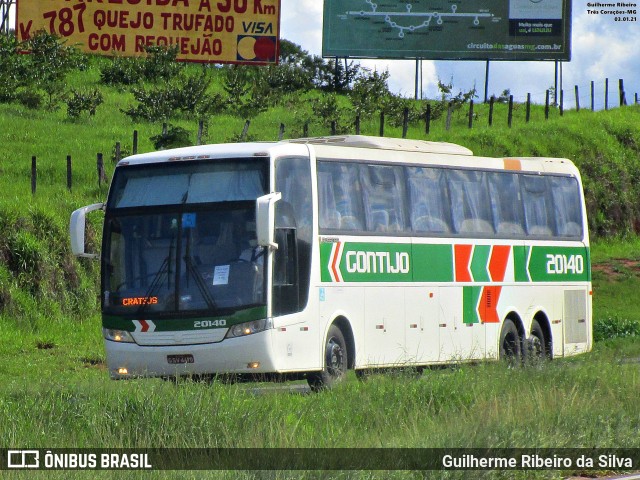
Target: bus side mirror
{"type": "Point", "coordinates": [77, 227]}
{"type": "Point", "coordinates": [265, 219]}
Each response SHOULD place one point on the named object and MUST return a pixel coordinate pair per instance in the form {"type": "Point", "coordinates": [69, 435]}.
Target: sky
{"type": "Point", "coordinates": [601, 48]}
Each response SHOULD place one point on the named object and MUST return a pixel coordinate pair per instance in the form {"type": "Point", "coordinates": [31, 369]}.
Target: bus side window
{"type": "Point", "coordinates": [470, 206]}
{"type": "Point", "coordinates": [537, 208]}
{"type": "Point", "coordinates": [567, 207]}
{"type": "Point", "coordinates": [346, 195]}
{"type": "Point", "coordinates": [506, 204]}
{"type": "Point", "coordinates": [384, 198]}
{"type": "Point", "coordinates": [329, 215]}
{"type": "Point", "coordinates": [428, 205]}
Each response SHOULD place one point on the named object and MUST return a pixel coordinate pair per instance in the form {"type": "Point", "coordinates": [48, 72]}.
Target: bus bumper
{"type": "Point", "coordinates": [244, 355]}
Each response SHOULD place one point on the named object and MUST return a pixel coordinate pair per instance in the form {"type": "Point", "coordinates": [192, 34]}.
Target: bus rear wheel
{"type": "Point", "coordinates": [510, 346]}
{"type": "Point", "coordinates": [335, 362]}
{"type": "Point", "coordinates": [536, 350]}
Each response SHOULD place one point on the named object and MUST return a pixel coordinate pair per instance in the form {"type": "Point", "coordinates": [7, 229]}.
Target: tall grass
{"type": "Point", "coordinates": [583, 402]}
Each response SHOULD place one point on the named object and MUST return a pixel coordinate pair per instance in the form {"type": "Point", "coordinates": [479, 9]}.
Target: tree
{"type": "Point", "coordinates": [48, 64]}
{"type": "Point", "coordinates": [370, 93]}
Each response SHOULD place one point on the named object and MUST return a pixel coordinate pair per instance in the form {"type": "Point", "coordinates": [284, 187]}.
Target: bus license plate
{"type": "Point", "coordinates": [177, 359]}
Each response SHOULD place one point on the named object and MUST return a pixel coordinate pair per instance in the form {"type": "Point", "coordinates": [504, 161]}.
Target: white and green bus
{"type": "Point", "coordinates": [306, 258]}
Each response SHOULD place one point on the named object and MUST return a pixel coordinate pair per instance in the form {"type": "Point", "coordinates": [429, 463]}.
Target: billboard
{"type": "Point", "coordinates": [221, 31]}
{"type": "Point", "coordinates": [448, 29]}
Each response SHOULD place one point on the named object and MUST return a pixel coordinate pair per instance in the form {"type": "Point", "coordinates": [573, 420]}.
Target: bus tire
{"type": "Point", "coordinates": [510, 345]}
{"type": "Point", "coordinates": [335, 362]}
{"type": "Point", "coordinates": [536, 350]}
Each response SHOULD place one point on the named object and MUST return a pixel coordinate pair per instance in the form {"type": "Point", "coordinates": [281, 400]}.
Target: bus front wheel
{"type": "Point", "coordinates": [510, 346]}
{"type": "Point", "coordinates": [335, 361]}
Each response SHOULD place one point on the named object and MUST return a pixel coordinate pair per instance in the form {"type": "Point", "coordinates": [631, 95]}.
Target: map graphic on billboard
{"type": "Point", "coordinates": [448, 29]}
{"type": "Point", "coordinates": [221, 31]}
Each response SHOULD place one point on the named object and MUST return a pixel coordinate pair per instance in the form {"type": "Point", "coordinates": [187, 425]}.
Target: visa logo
{"type": "Point", "coordinates": [257, 27]}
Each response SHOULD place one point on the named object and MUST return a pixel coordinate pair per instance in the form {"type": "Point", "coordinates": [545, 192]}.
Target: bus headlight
{"type": "Point", "coordinates": [117, 335]}
{"type": "Point", "coordinates": [248, 328]}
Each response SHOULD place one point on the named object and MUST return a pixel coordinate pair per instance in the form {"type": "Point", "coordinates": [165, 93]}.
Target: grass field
{"type": "Point", "coordinates": [56, 392]}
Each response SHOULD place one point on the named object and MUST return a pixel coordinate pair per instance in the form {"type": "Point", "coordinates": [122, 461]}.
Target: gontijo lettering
{"type": "Point", "coordinates": [377, 262]}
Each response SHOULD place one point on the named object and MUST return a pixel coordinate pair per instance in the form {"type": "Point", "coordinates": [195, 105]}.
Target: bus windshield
{"type": "Point", "coordinates": [187, 246]}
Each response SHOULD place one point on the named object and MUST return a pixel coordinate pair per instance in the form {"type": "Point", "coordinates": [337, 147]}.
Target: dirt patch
{"type": "Point", "coordinates": [97, 363]}
{"type": "Point", "coordinates": [617, 268]}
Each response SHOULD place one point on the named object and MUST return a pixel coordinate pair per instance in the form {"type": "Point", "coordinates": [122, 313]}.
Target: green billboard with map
{"type": "Point", "coordinates": [448, 29]}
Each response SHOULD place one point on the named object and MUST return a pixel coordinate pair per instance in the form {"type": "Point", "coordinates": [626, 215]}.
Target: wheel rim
{"type": "Point", "coordinates": [536, 348]}
{"type": "Point", "coordinates": [335, 358]}
{"type": "Point", "coordinates": [510, 345]}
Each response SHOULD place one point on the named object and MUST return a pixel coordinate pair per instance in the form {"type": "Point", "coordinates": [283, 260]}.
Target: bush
{"type": "Point", "coordinates": [84, 101]}
{"type": "Point", "coordinates": [26, 259]}
{"type": "Point", "coordinates": [370, 92]}
{"type": "Point", "coordinates": [121, 71]}
{"type": "Point", "coordinates": [327, 109]}
{"type": "Point", "coordinates": [243, 99]}
{"type": "Point", "coordinates": [173, 137]}
{"type": "Point", "coordinates": [160, 63]}
{"type": "Point", "coordinates": [48, 64]}
{"type": "Point", "coordinates": [153, 105]}
{"type": "Point", "coordinates": [191, 97]}
{"type": "Point", "coordinates": [186, 95]}
{"type": "Point", "coordinates": [615, 327]}
{"type": "Point", "coordinates": [10, 69]}
{"type": "Point", "coordinates": [30, 99]}
{"type": "Point", "coordinates": [455, 101]}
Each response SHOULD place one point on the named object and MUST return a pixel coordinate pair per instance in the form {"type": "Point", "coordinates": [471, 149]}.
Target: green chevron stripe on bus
{"type": "Point", "coordinates": [403, 262]}
{"type": "Point", "coordinates": [480, 263]}
{"type": "Point", "coordinates": [552, 264]}
{"type": "Point", "coordinates": [470, 303]}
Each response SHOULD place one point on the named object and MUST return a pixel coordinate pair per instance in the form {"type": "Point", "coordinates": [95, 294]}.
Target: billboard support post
{"type": "Point", "coordinates": [555, 85]}
{"type": "Point", "coordinates": [417, 76]}
{"type": "Point", "coordinates": [486, 82]}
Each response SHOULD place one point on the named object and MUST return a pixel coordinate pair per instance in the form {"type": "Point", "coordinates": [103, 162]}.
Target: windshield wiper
{"type": "Point", "coordinates": [200, 283]}
{"type": "Point", "coordinates": [158, 279]}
